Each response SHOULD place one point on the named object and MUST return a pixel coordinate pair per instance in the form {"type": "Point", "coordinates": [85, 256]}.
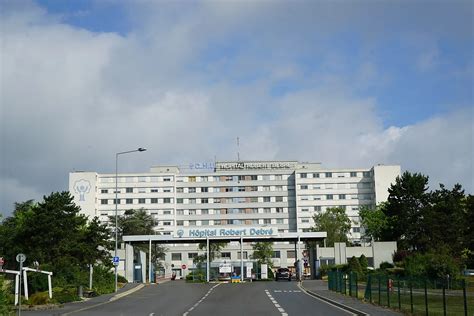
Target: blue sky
{"type": "Point", "coordinates": [350, 84]}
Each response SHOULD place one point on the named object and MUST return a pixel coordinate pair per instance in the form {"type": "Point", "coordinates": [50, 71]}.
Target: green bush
{"type": "Point", "coordinates": [354, 266]}
{"type": "Point", "coordinates": [103, 280]}
{"type": "Point", "coordinates": [431, 265]}
{"type": "Point", "coordinates": [5, 305]}
{"type": "Point", "coordinates": [121, 279]}
{"type": "Point", "coordinates": [270, 273]}
{"type": "Point", "coordinates": [364, 263]}
{"type": "Point", "coordinates": [385, 265]}
{"type": "Point", "coordinates": [65, 295]}
{"type": "Point", "coordinates": [39, 298]}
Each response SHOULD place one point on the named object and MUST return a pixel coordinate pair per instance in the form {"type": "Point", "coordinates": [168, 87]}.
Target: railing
{"type": "Point", "coordinates": [419, 296]}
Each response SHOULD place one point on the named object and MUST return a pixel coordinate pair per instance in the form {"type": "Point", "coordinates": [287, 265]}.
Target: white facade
{"type": "Point", "coordinates": [281, 195]}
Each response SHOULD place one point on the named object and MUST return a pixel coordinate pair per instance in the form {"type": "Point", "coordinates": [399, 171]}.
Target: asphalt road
{"type": "Point", "coordinates": [185, 299]}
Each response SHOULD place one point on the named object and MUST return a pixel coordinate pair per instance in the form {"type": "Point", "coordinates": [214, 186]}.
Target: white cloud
{"type": "Point", "coordinates": [71, 98]}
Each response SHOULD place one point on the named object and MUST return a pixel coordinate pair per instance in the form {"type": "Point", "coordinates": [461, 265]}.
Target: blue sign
{"type": "Point", "coordinates": [116, 261]}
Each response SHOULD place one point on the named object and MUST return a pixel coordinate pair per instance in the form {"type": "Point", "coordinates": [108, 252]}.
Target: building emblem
{"type": "Point", "coordinates": [180, 233]}
{"type": "Point", "coordinates": [82, 187]}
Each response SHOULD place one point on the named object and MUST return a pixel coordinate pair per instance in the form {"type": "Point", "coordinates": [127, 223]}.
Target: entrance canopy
{"type": "Point", "coordinates": [188, 239]}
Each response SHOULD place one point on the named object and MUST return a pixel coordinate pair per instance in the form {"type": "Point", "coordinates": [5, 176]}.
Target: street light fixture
{"type": "Point", "coordinates": [116, 203]}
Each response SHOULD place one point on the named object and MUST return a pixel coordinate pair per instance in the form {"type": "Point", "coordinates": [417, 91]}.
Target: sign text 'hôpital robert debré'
{"type": "Point", "coordinates": [226, 232]}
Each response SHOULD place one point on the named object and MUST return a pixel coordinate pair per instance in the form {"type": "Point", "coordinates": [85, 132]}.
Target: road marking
{"type": "Point", "coordinates": [200, 301]}
{"type": "Point", "coordinates": [152, 314]}
{"type": "Point", "coordinates": [274, 301]}
{"type": "Point", "coordinates": [287, 291]}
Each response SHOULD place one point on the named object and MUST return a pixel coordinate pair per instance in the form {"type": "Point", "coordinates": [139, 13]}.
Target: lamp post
{"type": "Point", "coordinates": [116, 202]}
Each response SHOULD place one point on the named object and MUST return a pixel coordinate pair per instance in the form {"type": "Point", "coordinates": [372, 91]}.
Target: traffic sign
{"type": "Point", "coordinates": [116, 261]}
{"type": "Point", "coordinates": [183, 267]}
{"type": "Point", "coordinates": [20, 258]}
{"type": "Point", "coordinates": [2, 261]}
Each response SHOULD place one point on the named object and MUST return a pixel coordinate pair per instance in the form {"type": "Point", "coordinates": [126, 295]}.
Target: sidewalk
{"type": "Point", "coordinates": [75, 306]}
{"type": "Point", "coordinates": [320, 289]}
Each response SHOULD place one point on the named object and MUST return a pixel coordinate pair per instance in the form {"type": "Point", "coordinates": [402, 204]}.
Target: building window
{"type": "Point", "coordinates": [141, 179]}
{"type": "Point", "coordinates": [191, 190]}
{"type": "Point", "coordinates": [267, 210]}
{"type": "Point", "coordinates": [353, 174]}
{"type": "Point", "coordinates": [192, 223]}
{"type": "Point", "coordinates": [204, 179]}
{"type": "Point", "coordinates": [141, 190]}
{"type": "Point", "coordinates": [278, 177]}
{"type": "Point", "coordinates": [192, 179]}
{"type": "Point", "coordinates": [167, 190]}
{"type": "Point", "coordinates": [342, 196]}
{"type": "Point", "coordinates": [267, 221]}
{"type": "Point", "coordinates": [204, 189]}
{"type": "Point", "coordinates": [239, 256]}
{"type": "Point", "coordinates": [179, 212]}
{"type": "Point", "coordinates": [179, 200]}
{"type": "Point", "coordinates": [166, 223]}
{"type": "Point", "coordinates": [356, 229]}
{"type": "Point", "coordinates": [154, 201]}
{"type": "Point", "coordinates": [179, 190]}
{"type": "Point", "coordinates": [279, 220]}
{"type": "Point", "coordinates": [204, 211]}
{"type": "Point", "coordinates": [179, 223]}
{"type": "Point", "coordinates": [141, 201]}
{"type": "Point", "coordinates": [191, 201]}
{"type": "Point", "coordinates": [290, 254]}
{"type": "Point", "coordinates": [167, 179]}
{"type": "Point", "coordinates": [176, 256]}
{"type": "Point", "coordinates": [304, 187]}
{"type": "Point", "coordinates": [104, 201]}
{"type": "Point", "coordinates": [279, 209]}
{"type": "Point", "coordinates": [366, 174]}
{"type": "Point", "coordinates": [225, 255]}
{"type": "Point", "coordinates": [303, 175]}
{"type": "Point", "coordinates": [129, 201]}
{"type": "Point", "coordinates": [129, 190]}
{"type": "Point", "coordinates": [328, 196]}
{"type": "Point", "coordinates": [305, 220]}
{"type": "Point", "coordinates": [278, 188]}
{"type": "Point", "coordinates": [167, 200]}
{"type": "Point", "coordinates": [315, 175]}
{"type": "Point", "coordinates": [305, 210]}
{"type": "Point", "coordinates": [166, 212]}
{"type": "Point", "coordinates": [204, 201]}
{"type": "Point", "coordinates": [328, 174]}
{"type": "Point", "coordinates": [317, 208]}
{"type": "Point", "coordinates": [266, 199]}
{"type": "Point", "coordinates": [154, 190]}
{"type": "Point", "coordinates": [104, 191]}
{"type": "Point", "coordinates": [192, 255]}
{"type": "Point", "coordinates": [276, 254]}
{"type": "Point", "coordinates": [192, 212]}
{"type": "Point", "coordinates": [205, 222]}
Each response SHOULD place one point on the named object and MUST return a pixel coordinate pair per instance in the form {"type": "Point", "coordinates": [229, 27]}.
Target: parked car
{"type": "Point", "coordinates": [283, 273]}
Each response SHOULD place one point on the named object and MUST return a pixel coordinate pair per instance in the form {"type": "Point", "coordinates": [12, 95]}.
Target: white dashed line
{"type": "Point", "coordinates": [200, 301]}
{"type": "Point", "coordinates": [280, 309]}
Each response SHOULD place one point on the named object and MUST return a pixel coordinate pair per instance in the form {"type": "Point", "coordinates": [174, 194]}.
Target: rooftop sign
{"type": "Point", "coordinates": [252, 165]}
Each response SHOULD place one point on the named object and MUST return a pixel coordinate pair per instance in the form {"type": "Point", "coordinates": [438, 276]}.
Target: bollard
{"type": "Point", "coordinates": [379, 287]}
{"type": "Point", "coordinates": [357, 286]}
{"type": "Point", "coordinates": [79, 291]}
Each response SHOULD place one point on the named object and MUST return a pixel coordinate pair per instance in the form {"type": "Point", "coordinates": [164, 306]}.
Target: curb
{"type": "Point", "coordinates": [340, 305]}
{"type": "Point", "coordinates": [113, 298]}
{"type": "Point", "coordinates": [120, 295]}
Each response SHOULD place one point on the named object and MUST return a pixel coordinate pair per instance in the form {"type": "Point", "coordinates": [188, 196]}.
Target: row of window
{"type": "Point", "coordinates": [132, 179]}
{"type": "Point", "coordinates": [265, 177]}
{"type": "Point", "coordinates": [230, 189]}
{"type": "Point", "coordinates": [216, 222]}
{"type": "Point", "coordinates": [138, 190]}
{"type": "Point", "coordinates": [137, 201]}
{"type": "Point", "coordinates": [322, 197]}
{"type": "Point", "coordinates": [319, 208]}
{"type": "Point", "coordinates": [233, 211]}
{"type": "Point", "coordinates": [353, 174]}
{"type": "Point", "coordinates": [328, 186]}
{"type": "Point", "coordinates": [178, 256]}
{"type": "Point", "coordinates": [232, 200]}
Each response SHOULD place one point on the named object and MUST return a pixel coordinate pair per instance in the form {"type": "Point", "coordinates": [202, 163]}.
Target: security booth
{"type": "Point", "coordinates": [235, 235]}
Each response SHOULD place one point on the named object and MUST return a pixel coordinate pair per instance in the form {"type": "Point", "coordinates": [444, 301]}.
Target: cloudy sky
{"type": "Point", "coordinates": [345, 83]}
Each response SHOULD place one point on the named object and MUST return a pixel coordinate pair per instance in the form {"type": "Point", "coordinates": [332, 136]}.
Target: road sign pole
{"type": "Point", "coordinates": [21, 258]}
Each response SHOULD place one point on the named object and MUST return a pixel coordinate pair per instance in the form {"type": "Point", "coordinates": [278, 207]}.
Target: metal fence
{"type": "Point", "coordinates": [419, 296]}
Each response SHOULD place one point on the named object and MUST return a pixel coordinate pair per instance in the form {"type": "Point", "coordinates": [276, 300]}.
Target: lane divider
{"type": "Point", "coordinates": [202, 299]}
{"type": "Point", "coordinates": [274, 301]}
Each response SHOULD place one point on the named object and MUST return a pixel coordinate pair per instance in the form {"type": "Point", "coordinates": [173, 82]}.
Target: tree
{"type": "Point", "coordinates": [214, 250]}
{"type": "Point", "coordinates": [138, 222]}
{"type": "Point", "coordinates": [263, 252]}
{"type": "Point", "coordinates": [53, 233]}
{"type": "Point", "coordinates": [335, 222]}
{"type": "Point", "coordinates": [405, 209]}
{"type": "Point", "coordinates": [364, 263]}
{"type": "Point", "coordinates": [468, 240]}
{"type": "Point", "coordinates": [374, 221]}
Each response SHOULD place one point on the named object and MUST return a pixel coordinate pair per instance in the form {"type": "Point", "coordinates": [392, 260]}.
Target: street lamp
{"type": "Point", "coordinates": [116, 203]}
